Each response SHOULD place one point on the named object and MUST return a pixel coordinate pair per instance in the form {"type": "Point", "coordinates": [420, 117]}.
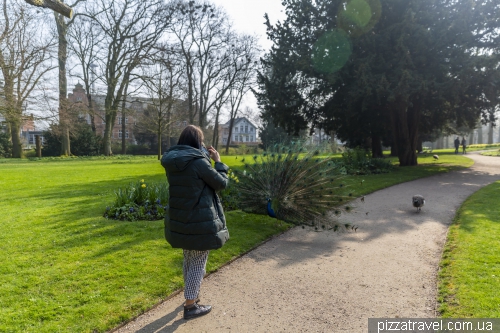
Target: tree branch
{"type": "Point", "coordinates": [55, 5]}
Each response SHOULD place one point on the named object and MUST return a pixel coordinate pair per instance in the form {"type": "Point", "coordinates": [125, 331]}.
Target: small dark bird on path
{"type": "Point", "coordinates": [418, 202]}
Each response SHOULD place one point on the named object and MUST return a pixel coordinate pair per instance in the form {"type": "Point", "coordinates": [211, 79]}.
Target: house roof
{"type": "Point", "coordinates": [237, 120]}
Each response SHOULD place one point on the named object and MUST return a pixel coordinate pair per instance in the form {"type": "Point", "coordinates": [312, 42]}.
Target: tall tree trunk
{"type": "Point", "coordinates": [169, 129]}
{"type": "Point", "coordinates": [471, 138]}
{"type": "Point", "coordinates": [191, 114]}
{"type": "Point", "coordinates": [490, 133]}
{"type": "Point", "coordinates": [91, 111]}
{"type": "Point", "coordinates": [405, 128]}
{"type": "Point", "coordinates": [92, 124]}
{"type": "Point", "coordinates": [108, 131]}
{"type": "Point", "coordinates": [160, 125]}
{"type": "Point", "coordinates": [38, 143]}
{"type": "Point", "coordinates": [13, 117]}
{"type": "Point", "coordinates": [420, 145]}
{"type": "Point", "coordinates": [215, 137]}
{"type": "Point", "coordinates": [231, 123]}
{"type": "Point", "coordinates": [498, 126]}
{"type": "Point", "coordinates": [159, 139]}
{"type": "Point", "coordinates": [62, 55]}
{"type": "Point", "coordinates": [198, 111]}
{"type": "Point", "coordinates": [395, 132]}
{"type": "Point", "coordinates": [15, 130]}
{"type": "Point", "coordinates": [333, 142]}
{"type": "Point", "coordinates": [200, 100]}
{"type": "Point", "coordinates": [124, 125]}
{"type": "Point", "coordinates": [376, 145]}
{"type": "Point", "coordinates": [8, 131]}
{"type": "Point", "coordinates": [394, 150]}
{"type": "Point", "coordinates": [480, 134]}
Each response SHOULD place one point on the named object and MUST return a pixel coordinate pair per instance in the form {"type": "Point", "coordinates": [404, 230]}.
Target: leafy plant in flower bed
{"type": "Point", "coordinates": [139, 201]}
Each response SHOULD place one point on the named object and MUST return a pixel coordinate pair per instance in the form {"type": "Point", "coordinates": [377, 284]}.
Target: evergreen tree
{"type": "Point", "coordinates": [387, 71]}
{"type": "Point", "coordinates": [271, 135]}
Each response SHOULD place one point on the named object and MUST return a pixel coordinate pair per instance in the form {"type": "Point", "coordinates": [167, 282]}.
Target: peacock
{"type": "Point", "coordinates": [296, 186]}
{"type": "Point", "coordinates": [270, 209]}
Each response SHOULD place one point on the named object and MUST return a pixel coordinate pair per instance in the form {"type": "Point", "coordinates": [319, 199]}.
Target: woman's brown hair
{"type": "Point", "coordinates": [191, 136]}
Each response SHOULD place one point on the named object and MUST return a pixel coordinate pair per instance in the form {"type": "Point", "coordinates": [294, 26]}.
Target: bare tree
{"type": "Point", "coordinates": [62, 55]}
{"type": "Point", "coordinates": [181, 28]}
{"type": "Point", "coordinates": [221, 99]}
{"type": "Point", "coordinates": [237, 58]}
{"type": "Point", "coordinates": [131, 29]}
{"type": "Point", "coordinates": [85, 45]}
{"type": "Point", "coordinates": [163, 80]}
{"type": "Point", "coordinates": [203, 36]}
{"type": "Point", "coordinates": [24, 60]}
{"type": "Point", "coordinates": [211, 34]}
{"type": "Point", "coordinates": [246, 70]}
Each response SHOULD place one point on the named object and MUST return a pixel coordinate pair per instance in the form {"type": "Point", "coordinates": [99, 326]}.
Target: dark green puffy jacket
{"type": "Point", "coordinates": [195, 219]}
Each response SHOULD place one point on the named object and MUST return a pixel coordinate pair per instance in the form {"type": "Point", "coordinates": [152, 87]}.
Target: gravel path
{"type": "Point", "coordinates": [304, 281]}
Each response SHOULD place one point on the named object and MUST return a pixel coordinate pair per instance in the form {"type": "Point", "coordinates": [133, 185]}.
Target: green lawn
{"type": "Point", "coordinates": [67, 269]}
{"type": "Point", "coordinates": [469, 279]}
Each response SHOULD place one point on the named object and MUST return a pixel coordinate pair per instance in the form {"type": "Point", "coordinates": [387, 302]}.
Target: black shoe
{"type": "Point", "coordinates": [195, 310]}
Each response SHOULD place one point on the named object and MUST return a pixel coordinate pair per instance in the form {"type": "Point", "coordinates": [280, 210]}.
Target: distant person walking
{"type": "Point", "coordinates": [195, 220]}
{"type": "Point", "coordinates": [464, 145]}
{"type": "Point", "coordinates": [457, 144]}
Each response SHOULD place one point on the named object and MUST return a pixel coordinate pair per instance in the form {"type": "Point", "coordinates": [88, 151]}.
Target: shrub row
{"type": "Point", "coordinates": [359, 162]}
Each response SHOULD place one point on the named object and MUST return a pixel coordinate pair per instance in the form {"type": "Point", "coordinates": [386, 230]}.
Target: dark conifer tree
{"type": "Point", "coordinates": [391, 70]}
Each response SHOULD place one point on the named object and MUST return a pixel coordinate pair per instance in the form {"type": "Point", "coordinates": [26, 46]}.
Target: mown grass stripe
{"type": "Point", "coordinates": [469, 278]}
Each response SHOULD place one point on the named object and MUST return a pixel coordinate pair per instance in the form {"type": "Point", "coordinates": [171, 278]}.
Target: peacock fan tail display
{"type": "Point", "coordinates": [295, 186]}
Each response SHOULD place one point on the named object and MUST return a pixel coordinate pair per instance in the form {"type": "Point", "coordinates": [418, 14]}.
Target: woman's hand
{"type": "Point", "coordinates": [214, 154]}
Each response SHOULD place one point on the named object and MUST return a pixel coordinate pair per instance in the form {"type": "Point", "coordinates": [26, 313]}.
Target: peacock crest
{"type": "Point", "coordinates": [299, 187]}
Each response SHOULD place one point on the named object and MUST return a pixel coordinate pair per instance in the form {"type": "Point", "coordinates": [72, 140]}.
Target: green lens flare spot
{"type": "Point", "coordinates": [331, 52]}
{"type": "Point", "coordinates": [358, 12]}
{"type": "Point", "coordinates": [357, 17]}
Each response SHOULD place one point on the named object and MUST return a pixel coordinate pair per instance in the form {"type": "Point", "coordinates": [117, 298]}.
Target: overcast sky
{"type": "Point", "coordinates": [248, 15]}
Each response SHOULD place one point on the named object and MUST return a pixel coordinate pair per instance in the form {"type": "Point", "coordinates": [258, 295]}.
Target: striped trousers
{"type": "Point", "coordinates": [193, 269]}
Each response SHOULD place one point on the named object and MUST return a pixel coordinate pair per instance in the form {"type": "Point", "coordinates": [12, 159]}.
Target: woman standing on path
{"type": "Point", "coordinates": [195, 220]}
{"type": "Point", "coordinates": [464, 145]}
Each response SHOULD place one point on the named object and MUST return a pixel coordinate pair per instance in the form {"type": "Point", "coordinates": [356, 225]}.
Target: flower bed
{"type": "Point", "coordinates": [139, 201]}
